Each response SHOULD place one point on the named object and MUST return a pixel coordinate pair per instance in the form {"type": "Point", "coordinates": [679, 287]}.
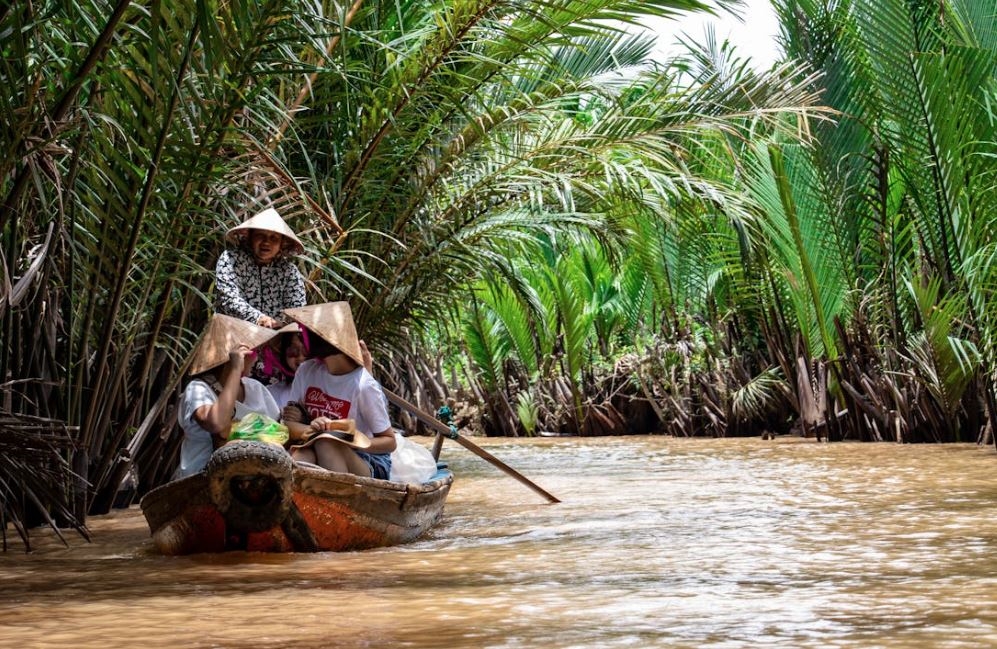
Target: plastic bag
{"type": "Point", "coordinates": [411, 462]}
{"type": "Point", "coordinates": [255, 427]}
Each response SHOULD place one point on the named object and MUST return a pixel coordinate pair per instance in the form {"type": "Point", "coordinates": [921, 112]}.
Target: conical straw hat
{"type": "Point", "coordinates": [224, 334]}
{"type": "Point", "coordinates": [268, 220]}
{"type": "Point", "coordinates": [333, 322]}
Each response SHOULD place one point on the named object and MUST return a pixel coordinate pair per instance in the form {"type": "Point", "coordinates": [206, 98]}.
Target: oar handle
{"type": "Point", "coordinates": [451, 433]}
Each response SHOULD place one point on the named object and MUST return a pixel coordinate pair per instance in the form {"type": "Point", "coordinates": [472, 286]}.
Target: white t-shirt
{"type": "Point", "coordinates": [281, 392]}
{"type": "Point", "coordinates": [198, 444]}
{"type": "Point", "coordinates": [356, 395]}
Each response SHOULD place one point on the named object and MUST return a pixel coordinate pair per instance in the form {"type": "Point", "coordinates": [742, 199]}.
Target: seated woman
{"type": "Point", "coordinates": [287, 355]}
{"type": "Point", "coordinates": [257, 280]}
{"type": "Point", "coordinates": [333, 386]}
{"type": "Point", "coordinates": [221, 391]}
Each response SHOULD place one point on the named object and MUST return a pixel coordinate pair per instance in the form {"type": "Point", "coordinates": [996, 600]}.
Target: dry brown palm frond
{"type": "Point", "coordinates": [34, 475]}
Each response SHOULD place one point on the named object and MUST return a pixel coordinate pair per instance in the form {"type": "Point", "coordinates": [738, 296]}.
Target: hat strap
{"type": "Point", "coordinates": [304, 340]}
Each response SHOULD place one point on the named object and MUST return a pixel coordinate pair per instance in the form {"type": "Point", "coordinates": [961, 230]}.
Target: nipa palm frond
{"type": "Point", "coordinates": [756, 398]}
{"type": "Point", "coordinates": [34, 474]}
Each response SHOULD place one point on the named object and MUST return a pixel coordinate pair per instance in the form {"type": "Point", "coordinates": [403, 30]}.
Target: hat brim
{"type": "Point", "coordinates": [333, 322]}
{"type": "Point", "coordinates": [224, 334]}
{"type": "Point", "coordinates": [345, 432]}
{"type": "Point", "coordinates": [270, 221]}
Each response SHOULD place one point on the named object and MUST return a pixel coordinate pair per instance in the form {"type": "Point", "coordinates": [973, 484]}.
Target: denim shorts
{"type": "Point", "coordinates": [379, 463]}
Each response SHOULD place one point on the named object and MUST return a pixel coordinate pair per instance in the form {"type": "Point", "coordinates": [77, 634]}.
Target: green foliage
{"type": "Point", "coordinates": [797, 228]}
{"type": "Point", "coordinates": [759, 396]}
{"type": "Point", "coordinates": [945, 363]}
{"type": "Point", "coordinates": [515, 171]}
{"type": "Point", "coordinates": [907, 171]}
{"type": "Point", "coordinates": [486, 347]}
{"type": "Point", "coordinates": [528, 412]}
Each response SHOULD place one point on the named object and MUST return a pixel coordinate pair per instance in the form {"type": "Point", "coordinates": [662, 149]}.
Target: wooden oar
{"type": "Point", "coordinates": [450, 433]}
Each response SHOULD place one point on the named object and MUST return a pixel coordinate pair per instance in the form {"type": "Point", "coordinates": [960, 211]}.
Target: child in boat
{"type": "Point", "coordinates": [221, 391]}
{"type": "Point", "coordinates": [257, 280]}
{"type": "Point", "coordinates": [287, 355]}
{"type": "Point", "coordinates": [334, 388]}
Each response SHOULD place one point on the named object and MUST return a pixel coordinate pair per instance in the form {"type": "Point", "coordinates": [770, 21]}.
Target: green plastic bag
{"type": "Point", "coordinates": [255, 427]}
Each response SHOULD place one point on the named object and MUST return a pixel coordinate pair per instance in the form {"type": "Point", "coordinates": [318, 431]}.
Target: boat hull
{"type": "Point", "coordinates": [326, 512]}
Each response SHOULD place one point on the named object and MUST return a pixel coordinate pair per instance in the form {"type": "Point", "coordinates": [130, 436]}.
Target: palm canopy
{"type": "Point", "coordinates": [903, 182]}
{"type": "Point", "coordinates": [410, 144]}
{"type": "Point", "coordinates": [471, 127]}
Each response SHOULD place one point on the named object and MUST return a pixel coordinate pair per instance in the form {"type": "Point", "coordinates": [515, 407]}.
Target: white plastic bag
{"type": "Point", "coordinates": [411, 462]}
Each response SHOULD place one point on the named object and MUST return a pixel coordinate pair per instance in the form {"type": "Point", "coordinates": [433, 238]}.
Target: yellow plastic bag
{"type": "Point", "coordinates": [255, 427]}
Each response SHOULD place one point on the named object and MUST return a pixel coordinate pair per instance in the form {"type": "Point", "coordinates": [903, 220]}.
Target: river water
{"type": "Point", "coordinates": [659, 542]}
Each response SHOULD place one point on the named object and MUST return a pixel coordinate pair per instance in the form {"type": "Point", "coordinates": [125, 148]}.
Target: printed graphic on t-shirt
{"type": "Point", "coordinates": [320, 404]}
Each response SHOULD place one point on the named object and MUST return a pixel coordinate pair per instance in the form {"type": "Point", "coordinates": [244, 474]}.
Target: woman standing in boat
{"type": "Point", "coordinates": [257, 280]}
{"type": "Point", "coordinates": [344, 424]}
{"type": "Point", "coordinates": [221, 391]}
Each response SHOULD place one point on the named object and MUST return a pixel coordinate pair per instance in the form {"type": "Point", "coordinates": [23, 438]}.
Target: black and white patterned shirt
{"type": "Point", "coordinates": [247, 290]}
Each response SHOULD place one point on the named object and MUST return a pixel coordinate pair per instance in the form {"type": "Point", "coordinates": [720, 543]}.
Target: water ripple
{"type": "Point", "coordinates": [658, 542]}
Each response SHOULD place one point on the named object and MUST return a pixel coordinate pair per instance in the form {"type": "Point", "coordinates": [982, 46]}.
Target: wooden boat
{"type": "Point", "coordinates": [253, 497]}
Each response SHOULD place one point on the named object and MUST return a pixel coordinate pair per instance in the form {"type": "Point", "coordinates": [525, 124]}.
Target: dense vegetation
{"type": "Point", "coordinates": [528, 216]}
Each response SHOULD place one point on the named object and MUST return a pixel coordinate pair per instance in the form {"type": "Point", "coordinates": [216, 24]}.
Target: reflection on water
{"type": "Point", "coordinates": [658, 542]}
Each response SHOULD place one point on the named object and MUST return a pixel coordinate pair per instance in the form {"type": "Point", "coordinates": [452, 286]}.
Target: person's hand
{"type": "Point", "coordinates": [292, 412]}
{"type": "Point", "coordinates": [241, 356]}
{"type": "Point", "coordinates": [267, 321]}
{"type": "Point", "coordinates": [368, 360]}
{"type": "Point", "coordinates": [327, 423]}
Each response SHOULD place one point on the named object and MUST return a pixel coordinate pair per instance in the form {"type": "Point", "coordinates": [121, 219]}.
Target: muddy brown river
{"type": "Point", "coordinates": [659, 542]}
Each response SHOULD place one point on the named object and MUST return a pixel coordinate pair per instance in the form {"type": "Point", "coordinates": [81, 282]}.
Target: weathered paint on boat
{"type": "Point", "coordinates": [328, 512]}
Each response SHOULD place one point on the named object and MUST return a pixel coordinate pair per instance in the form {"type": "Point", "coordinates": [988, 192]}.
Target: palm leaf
{"type": "Point", "coordinates": [945, 363]}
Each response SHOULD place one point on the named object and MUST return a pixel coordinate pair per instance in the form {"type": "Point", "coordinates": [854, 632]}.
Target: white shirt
{"type": "Point", "coordinates": [281, 392]}
{"type": "Point", "coordinates": [355, 395]}
{"type": "Point", "coordinates": [198, 444]}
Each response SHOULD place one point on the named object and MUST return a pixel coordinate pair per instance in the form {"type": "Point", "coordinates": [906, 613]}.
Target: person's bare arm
{"type": "Point", "coordinates": [216, 418]}
{"type": "Point", "coordinates": [298, 431]}
{"type": "Point", "coordinates": [383, 442]}
{"type": "Point", "coordinates": [368, 360]}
